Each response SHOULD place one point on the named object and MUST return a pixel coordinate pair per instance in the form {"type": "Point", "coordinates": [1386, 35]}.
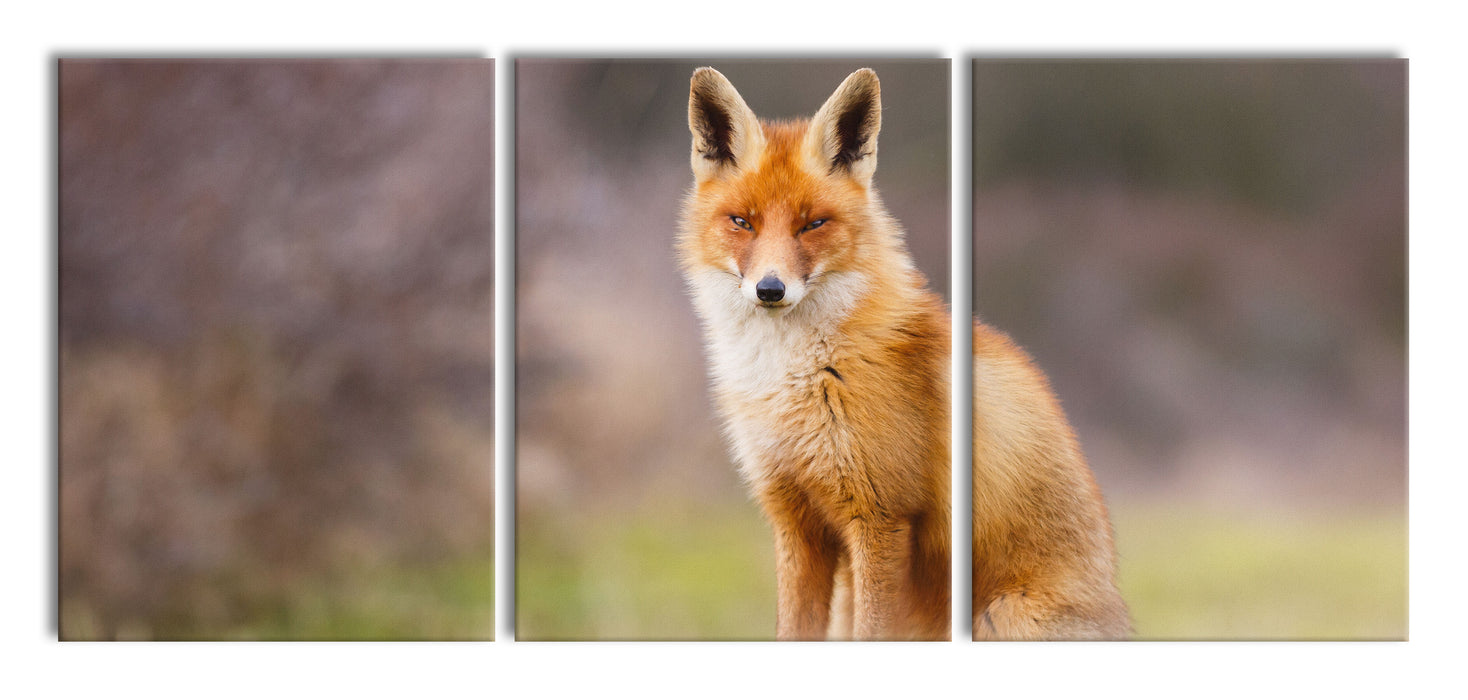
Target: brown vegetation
{"type": "Point", "coordinates": [276, 339]}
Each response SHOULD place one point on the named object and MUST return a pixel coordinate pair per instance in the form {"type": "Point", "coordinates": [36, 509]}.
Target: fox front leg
{"type": "Point", "coordinates": [805, 570]}
{"type": "Point", "coordinates": [879, 561]}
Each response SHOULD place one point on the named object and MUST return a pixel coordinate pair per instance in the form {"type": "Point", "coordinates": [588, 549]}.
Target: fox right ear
{"type": "Point", "coordinates": [726, 134]}
{"type": "Point", "coordinates": [843, 133]}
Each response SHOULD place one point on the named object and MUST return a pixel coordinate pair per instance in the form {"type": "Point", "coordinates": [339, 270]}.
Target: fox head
{"type": "Point", "coordinates": [780, 206]}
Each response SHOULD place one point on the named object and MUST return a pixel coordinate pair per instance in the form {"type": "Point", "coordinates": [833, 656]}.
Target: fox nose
{"type": "Point", "coordinates": [770, 289]}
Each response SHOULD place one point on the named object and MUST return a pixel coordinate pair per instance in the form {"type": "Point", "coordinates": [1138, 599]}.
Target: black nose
{"type": "Point", "coordinates": [770, 289]}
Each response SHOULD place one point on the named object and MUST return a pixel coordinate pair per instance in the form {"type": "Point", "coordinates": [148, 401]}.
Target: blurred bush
{"type": "Point", "coordinates": [276, 342]}
{"type": "Point", "coordinates": [1209, 260]}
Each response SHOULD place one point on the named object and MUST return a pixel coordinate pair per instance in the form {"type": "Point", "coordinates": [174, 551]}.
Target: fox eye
{"type": "Point", "coordinates": [741, 223]}
{"type": "Point", "coordinates": [813, 225]}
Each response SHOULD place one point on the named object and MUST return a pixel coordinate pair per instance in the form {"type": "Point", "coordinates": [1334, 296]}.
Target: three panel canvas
{"type": "Point", "coordinates": [1180, 403]}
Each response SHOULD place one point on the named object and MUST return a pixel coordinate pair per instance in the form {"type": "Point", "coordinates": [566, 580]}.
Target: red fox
{"type": "Point", "coordinates": [830, 364]}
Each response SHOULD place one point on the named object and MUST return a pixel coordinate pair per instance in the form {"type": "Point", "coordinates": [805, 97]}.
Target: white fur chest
{"type": "Point", "coordinates": [767, 366]}
{"type": "Point", "coordinates": [763, 358]}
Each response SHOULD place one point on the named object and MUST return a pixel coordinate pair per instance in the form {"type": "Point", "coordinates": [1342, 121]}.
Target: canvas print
{"type": "Point", "coordinates": [1207, 261]}
{"type": "Point", "coordinates": [732, 351]}
{"type": "Point", "coordinates": [275, 346]}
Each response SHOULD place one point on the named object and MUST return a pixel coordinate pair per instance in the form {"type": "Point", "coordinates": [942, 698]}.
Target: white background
{"type": "Point", "coordinates": [1427, 33]}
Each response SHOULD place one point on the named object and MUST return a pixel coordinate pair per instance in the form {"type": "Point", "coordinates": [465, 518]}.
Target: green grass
{"type": "Point", "coordinates": [1212, 574]}
{"type": "Point", "coordinates": [664, 573]}
{"type": "Point", "coordinates": [445, 600]}
{"type": "Point", "coordinates": [676, 572]}
{"type": "Point", "coordinates": [449, 601]}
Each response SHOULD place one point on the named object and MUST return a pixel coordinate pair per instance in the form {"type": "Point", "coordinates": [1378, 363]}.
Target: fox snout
{"type": "Point", "coordinates": [773, 290]}
{"type": "Point", "coordinates": [770, 289]}
{"type": "Point", "coordinates": [772, 268]}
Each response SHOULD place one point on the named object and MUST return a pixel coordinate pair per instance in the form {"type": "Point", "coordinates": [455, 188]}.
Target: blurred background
{"type": "Point", "coordinates": [275, 349]}
{"type": "Point", "coordinates": [630, 519]}
{"type": "Point", "coordinates": [1209, 260]}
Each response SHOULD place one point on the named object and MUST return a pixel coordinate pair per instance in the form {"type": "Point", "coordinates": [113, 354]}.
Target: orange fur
{"type": "Point", "coordinates": [830, 364]}
{"type": "Point", "coordinates": [1044, 566]}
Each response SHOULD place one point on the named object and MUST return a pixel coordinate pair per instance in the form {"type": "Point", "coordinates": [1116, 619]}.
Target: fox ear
{"type": "Point", "coordinates": [843, 134]}
{"type": "Point", "coordinates": [726, 134]}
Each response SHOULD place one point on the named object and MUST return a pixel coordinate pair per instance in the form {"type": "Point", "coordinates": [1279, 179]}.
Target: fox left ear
{"type": "Point", "coordinates": [843, 134]}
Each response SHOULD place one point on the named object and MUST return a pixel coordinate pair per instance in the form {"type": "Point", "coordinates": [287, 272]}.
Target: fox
{"type": "Point", "coordinates": [830, 364]}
